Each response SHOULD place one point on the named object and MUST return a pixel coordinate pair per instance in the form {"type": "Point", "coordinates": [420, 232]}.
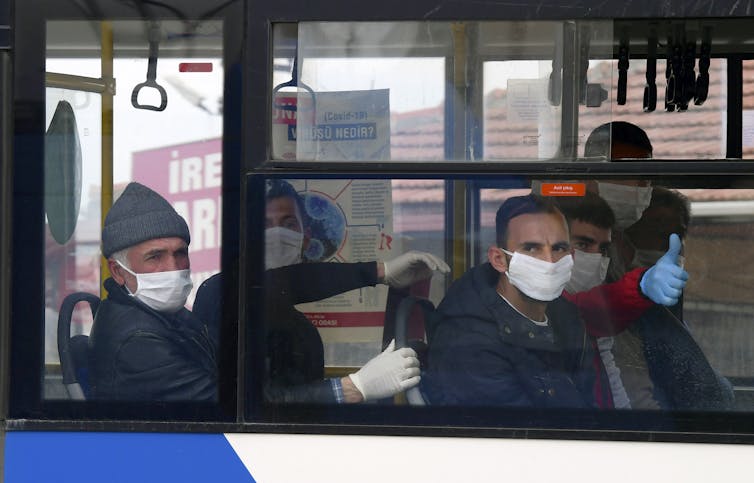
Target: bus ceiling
{"type": "Point", "coordinates": [504, 39]}
{"type": "Point", "coordinates": [81, 39]}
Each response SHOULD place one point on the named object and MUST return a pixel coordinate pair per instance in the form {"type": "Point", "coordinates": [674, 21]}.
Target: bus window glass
{"type": "Point", "coordinates": [696, 133]}
{"type": "Point", "coordinates": [340, 254]}
{"type": "Point", "coordinates": [519, 119]}
{"type": "Point", "coordinates": [174, 149]}
{"type": "Point", "coordinates": [524, 81]}
{"type": "Point", "coordinates": [747, 114]}
{"type": "Point", "coordinates": [411, 91]}
{"type": "Point", "coordinates": [360, 92]}
{"type": "Point", "coordinates": [695, 354]}
{"type": "Point", "coordinates": [647, 347]}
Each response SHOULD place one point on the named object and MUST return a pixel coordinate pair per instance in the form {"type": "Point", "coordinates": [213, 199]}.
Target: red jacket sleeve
{"type": "Point", "coordinates": [610, 308]}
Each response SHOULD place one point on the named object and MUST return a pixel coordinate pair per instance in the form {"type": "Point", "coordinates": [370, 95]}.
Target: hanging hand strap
{"type": "Point", "coordinates": [154, 49]}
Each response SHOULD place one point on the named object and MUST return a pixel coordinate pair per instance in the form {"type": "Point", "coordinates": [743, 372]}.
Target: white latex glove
{"type": "Point", "coordinates": [412, 267]}
{"type": "Point", "coordinates": [387, 374]}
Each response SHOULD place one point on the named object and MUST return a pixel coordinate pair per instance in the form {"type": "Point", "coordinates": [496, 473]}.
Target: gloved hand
{"type": "Point", "coordinates": [388, 374]}
{"type": "Point", "coordinates": [411, 267]}
{"type": "Point", "coordinates": [665, 280]}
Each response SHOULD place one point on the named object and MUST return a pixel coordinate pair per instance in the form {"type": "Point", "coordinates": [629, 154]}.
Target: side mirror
{"type": "Point", "coordinates": [62, 173]}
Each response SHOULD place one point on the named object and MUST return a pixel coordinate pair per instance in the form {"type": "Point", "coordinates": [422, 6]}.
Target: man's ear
{"type": "Point", "coordinates": [497, 259]}
{"type": "Point", "coordinates": [116, 271]}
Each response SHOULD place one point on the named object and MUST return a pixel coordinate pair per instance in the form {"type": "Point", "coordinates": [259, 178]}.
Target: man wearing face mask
{"type": "Point", "coordinates": [506, 335]}
{"type": "Point", "coordinates": [295, 353]}
{"type": "Point", "coordinates": [621, 141]}
{"type": "Point", "coordinates": [590, 221]}
{"type": "Point", "coordinates": [145, 345]}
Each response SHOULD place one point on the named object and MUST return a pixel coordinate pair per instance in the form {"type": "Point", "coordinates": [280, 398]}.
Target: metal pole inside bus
{"type": "Point", "coordinates": [106, 200]}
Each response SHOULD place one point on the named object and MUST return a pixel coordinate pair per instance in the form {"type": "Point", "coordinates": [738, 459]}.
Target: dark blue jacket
{"type": "Point", "coordinates": [138, 354]}
{"type": "Point", "coordinates": [484, 353]}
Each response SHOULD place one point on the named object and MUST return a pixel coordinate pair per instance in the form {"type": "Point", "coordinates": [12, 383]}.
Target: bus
{"type": "Point", "coordinates": [402, 127]}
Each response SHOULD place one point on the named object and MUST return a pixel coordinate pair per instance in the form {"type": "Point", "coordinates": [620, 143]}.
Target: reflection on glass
{"type": "Point", "coordinates": [74, 265]}
{"type": "Point", "coordinates": [697, 133]}
{"type": "Point", "coordinates": [337, 254]}
{"type": "Point", "coordinates": [393, 109]}
{"type": "Point", "coordinates": [565, 309]}
{"type": "Point", "coordinates": [747, 133]}
{"type": "Point", "coordinates": [384, 91]}
{"type": "Point", "coordinates": [176, 152]}
{"type": "Point", "coordinates": [521, 118]}
{"type": "Point", "coordinates": [675, 357]}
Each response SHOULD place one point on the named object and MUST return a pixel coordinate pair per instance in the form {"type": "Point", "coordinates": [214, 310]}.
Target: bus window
{"type": "Point", "coordinates": [516, 95]}
{"type": "Point", "coordinates": [338, 254]}
{"type": "Point", "coordinates": [107, 128]}
{"type": "Point", "coordinates": [384, 86]}
{"type": "Point", "coordinates": [747, 113]}
{"type": "Point", "coordinates": [524, 82]}
{"type": "Point", "coordinates": [714, 306]}
{"type": "Point", "coordinates": [674, 354]}
{"type": "Point", "coordinates": [442, 91]}
{"type": "Point", "coordinates": [697, 133]}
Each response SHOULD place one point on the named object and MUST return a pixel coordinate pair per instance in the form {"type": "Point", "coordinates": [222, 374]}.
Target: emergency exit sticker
{"type": "Point", "coordinates": [563, 189]}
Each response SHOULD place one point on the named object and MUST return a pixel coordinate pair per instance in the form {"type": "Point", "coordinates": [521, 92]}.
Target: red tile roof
{"type": "Point", "coordinates": [697, 133]}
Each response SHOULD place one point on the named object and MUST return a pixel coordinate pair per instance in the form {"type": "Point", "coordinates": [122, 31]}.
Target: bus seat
{"type": "Point", "coordinates": [405, 315]}
{"type": "Point", "coordinates": [416, 334]}
{"type": "Point", "coordinates": [74, 351]}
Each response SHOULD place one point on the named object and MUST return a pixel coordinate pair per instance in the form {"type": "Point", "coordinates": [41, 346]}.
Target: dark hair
{"type": "Point", "coordinates": [517, 206]}
{"type": "Point", "coordinates": [590, 208]}
{"type": "Point", "coordinates": [280, 188]}
{"type": "Point", "coordinates": [603, 137]}
{"type": "Point", "coordinates": [676, 201]}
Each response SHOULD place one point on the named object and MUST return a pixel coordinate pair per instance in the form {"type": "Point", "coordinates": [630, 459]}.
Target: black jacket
{"type": "Point", "coordinates": [484, 353]}
{"type": "Point", "coordinates": [295, 356]}
{"type": "Point", "coordinates": [139, 354]}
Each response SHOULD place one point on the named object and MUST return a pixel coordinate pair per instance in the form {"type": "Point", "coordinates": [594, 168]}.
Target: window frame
{"type": "Point", "coordinates": [248, 46]}
{"type": "Point", "coordinates": [26, 401]}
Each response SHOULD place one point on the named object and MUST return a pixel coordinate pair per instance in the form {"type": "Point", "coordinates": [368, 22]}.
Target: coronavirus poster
{"type": "Point", "coordinates": [332, 126]}
{"type": "Point", "coordinates": [349, 221]}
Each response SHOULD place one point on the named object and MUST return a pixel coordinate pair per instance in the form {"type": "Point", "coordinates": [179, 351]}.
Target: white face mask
{"type": "Point", "coordinates": [539, 279]}
{"type": "Point", "coordinates": [162, 291]}
{"type": "Point", "coordinates": [589, 270]}
{"type": "Point", "coordinates": [282, 247]}
{"type": "Point", "coordinates": [627, 202]}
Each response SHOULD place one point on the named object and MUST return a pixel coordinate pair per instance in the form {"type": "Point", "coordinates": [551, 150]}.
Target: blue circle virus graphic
{"type": "Point", "coordinates": [327, 227]}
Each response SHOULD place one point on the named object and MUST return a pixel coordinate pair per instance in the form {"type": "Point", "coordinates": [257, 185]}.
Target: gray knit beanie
{"type": "Point", "coordinates": [139, 215]}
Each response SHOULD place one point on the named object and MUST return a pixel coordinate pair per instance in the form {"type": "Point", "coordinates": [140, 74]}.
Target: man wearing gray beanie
{"type": "Point", "coordinates": [145, 345]}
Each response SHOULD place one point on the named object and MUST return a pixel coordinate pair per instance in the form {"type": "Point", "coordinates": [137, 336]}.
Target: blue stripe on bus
{"type": "Point", "coordinates": [58, 457]}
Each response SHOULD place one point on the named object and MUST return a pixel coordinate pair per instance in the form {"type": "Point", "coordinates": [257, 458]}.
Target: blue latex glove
{"type": "Point", "coordinates": [665, 280]}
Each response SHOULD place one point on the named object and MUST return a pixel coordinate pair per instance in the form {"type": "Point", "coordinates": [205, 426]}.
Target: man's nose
{"type": "Point", "coordinates": [548, 255]}
{"type": "Point", "coordinates": [171, 263]}
{"type": "Point", "coordinates": [175, 262]}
